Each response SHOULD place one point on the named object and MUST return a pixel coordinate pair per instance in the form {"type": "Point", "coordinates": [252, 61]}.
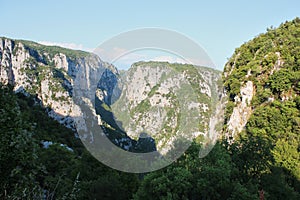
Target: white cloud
{"type": "Point", "coordinates": [66, 45]}
{"type": "Point", "coordinates": [170, 59]}
{"type": "Point", "coordinates": [123, 58]}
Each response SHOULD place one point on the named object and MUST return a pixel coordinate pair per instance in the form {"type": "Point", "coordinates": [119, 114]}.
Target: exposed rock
{"type": "Point", "coordinates": [47, 76]}
{"type": "Point", "coordinates": [159, 99]}
{"type": "Point", "coordinates": [242, 110]}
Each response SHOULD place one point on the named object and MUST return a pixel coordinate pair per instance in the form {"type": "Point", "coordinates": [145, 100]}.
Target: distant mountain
{"type": "Point", "coordinates": [150, 91]}
{"type": "Point", "coordinates": [163, 100]}
{"type": "Point", "coordinates": [47, 72]}
{"type": "Point", "coordinates": [146, 109]}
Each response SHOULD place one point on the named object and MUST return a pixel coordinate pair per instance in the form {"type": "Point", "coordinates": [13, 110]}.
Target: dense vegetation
{"type": "Point", "coordinates": [41, 158]}
{"type": "Point", "coordinates": [264, 159]}
{"type": "Point", "coordinates": [271, 61]}
{"type": "Point", "coordinates": [65, 170]}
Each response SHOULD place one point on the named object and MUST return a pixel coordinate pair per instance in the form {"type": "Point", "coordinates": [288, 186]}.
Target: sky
{"type": "Point", "coordinates": [217, 26]}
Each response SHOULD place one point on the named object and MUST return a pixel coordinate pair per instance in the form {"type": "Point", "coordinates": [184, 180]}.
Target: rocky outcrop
{"type": "Point", "coordinates": [163, 100]}
{"type": "Point", "coordinates": [48, 74]}
{"type": "Point", "coordinates": [242, 110]}
{"type": "Point", "coordinates": [251, 75]}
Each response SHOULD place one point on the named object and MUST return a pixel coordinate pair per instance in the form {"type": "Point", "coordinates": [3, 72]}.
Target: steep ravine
{"type": "Point", "coordinates": [163, 100]}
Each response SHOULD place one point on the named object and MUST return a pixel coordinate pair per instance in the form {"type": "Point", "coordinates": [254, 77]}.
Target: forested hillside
{"type": "Point", "coordinates": [258, 157]}
{"type": "Point", "coordinates": [42, 159]}
{"type": "Point", "coordinates": [271, 62]}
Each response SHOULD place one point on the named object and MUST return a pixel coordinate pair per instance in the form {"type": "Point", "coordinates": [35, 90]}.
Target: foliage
{"type": "Point", "coordinates": [263, 157]}
{"type": "Point", "coordinates": [267, 151]}
{"type": "Point", "coordinates": [62, 170]}
{"type": "Point", "coordinates": [18, 155]}
{"type": "Point", "coordinates": [270, 60]}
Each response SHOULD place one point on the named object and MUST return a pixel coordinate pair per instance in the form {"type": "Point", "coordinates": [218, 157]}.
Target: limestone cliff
{"type": "Point", "coordinates": [163, 100]}
{"type": "Point", "coordinates": [48, 73]}
{"type": "Point", "coordinates": [149, 107]}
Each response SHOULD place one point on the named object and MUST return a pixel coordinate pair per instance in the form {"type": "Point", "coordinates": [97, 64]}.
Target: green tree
{"type": "Point", "coordinates": [18, 151]}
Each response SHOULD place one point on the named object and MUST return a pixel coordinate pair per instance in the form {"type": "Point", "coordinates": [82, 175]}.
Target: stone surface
{"type": "Point", "coordinates": [49, 77]}
{"type": "Point", "coordinates": [153, 98]}
{"type": "Point", "coordinates": [242, 110]}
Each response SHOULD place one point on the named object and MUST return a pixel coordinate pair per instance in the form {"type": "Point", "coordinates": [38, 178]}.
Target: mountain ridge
{"type": "Point", "coordinates": [51, 72]}
{"type": "Point", "coordinates": [257, 158]}
{"type": "Point", "coordinates": [154, 95]}
{"type": "Point", "coordinates": [29, 67]}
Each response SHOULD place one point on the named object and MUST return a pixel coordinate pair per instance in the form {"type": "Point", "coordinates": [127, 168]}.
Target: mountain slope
{"type": "Point", "coordinates": [165, 101]}
{"type": "Point", "coordinates": [48, 72]}
{"type": "Point", "coordinates": [262, 80]}
{"type": "Point", "coordinates": [41, 159]}
{"type": "Point", "coordinates": [258, 159]}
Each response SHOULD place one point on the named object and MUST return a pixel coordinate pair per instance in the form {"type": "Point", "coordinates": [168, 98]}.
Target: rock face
{"type": "Point", "coordinates": [246, 89]}
{"type": "Point", "coordinates": [243, 99]}
{"type": "Point", "coordinates": [242, 110]}
{"type": "Point", "coordinates": [48, 73]}
{"type": "Point", "coordinates": [158, 100]}
{"type": "Point", "coordinates": [165, 101]}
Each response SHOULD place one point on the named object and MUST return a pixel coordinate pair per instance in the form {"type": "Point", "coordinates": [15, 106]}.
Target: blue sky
{"type": "Point", "coordinates": [218, 26]}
